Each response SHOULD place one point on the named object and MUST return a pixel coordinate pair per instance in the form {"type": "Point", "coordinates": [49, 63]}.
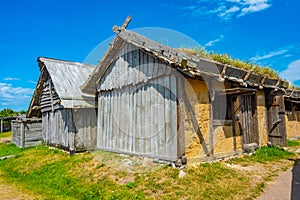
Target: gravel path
{"type": "Point", "coordinates": [284, 187]}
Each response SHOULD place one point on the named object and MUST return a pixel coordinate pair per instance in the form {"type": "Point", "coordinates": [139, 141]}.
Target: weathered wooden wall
{"type": "Point", "coordinates": [27, 132]}
{"type": "Point", "coordinates": [137, 106]}
{"type": "Point", "coordinates": [49, 98]}
{"type": "Point", "coordinates": [70, 129]}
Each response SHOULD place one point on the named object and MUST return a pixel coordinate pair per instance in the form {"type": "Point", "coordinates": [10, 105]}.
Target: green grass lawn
{"type": "Point", "coordinates": [293, 143]}
{"type": "Point", "coordinates": [264, 154]}
{"type": "Point", "coordinates": [55, 175]}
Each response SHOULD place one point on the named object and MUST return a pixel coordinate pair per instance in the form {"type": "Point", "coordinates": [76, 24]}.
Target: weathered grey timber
{"type": "Point", "coordinates": [27, 132]}
{"type": "Point", "coordinates": [131, 94]}
{"type": "Point", "coordinates": [68, 116]}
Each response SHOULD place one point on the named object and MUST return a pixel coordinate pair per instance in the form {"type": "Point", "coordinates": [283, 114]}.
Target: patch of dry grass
{"type": "Point", "coordinates": [5, 135]}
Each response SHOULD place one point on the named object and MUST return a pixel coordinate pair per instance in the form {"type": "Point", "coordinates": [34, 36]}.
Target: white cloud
{"type": "Point", "coordinates": [31, 81]}
{"type": "Point", "coordinates": [269, 55]}
{"type": "Point", "coordinates": [212, 42]}
{"type": "Point", "coordinates": [11, 79]}
{"type": "Point", "coordinates": [292, 72]}
{"type": "Point", "coordinates": [15, 97]}
{"type": "Point", "coordinates": [227, 14]}
{"type": "Point", "coordinates": [226, 10]}
{"type": "Point", "coordinates": [254, 6]}
{"type": "Point", "coordinates": [235, 1]}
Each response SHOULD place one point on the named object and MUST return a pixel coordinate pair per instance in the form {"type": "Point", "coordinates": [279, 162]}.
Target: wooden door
{"type": "Point", "coordinates": [246, 124]}
{"type": "Point", "coordinates": [249, 118]}
{"type": "Point", "coordinates": [276, 120]}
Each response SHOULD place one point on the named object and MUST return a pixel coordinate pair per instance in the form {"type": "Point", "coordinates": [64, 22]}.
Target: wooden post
{"type": "Point", "coordinates": [263, 126]}
{"type": "Point", "coordinates": [1, 126]}
{"type": "Point", "coordinates": [281, 113]}
{"type": "Point", "coordinates": [295, 120]}
{"type": "Point", "coordinates": [211, 117]}
{"type": "Point", "coordinates": [180, 118]}
{"type": "Point", "coordinates": [22, 135]}
{"type": "Point", "coordinates": [234, 120]}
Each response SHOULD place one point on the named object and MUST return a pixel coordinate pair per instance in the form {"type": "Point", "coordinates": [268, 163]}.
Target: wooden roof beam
{"type": "Point", "coordinates": [246, 77]}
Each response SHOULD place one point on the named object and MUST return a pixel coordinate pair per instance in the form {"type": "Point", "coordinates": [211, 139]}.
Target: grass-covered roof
{"type": "Point", "coordinates": [226, 59]}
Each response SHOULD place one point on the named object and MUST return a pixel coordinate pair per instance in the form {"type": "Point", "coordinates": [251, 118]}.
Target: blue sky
{"type": "Point", "coordinates": [266, 32]}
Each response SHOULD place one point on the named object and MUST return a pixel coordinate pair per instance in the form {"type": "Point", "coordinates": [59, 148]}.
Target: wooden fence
{"type": "Point", "coordinates": [27, 132]}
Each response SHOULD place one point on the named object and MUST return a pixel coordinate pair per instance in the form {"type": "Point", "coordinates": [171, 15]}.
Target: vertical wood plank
{"type": "Point", "coordinates": [130, 118]}
{"type": "Point", "coordinates": [126, 120]}
{"type": "Point", "coordinates": [135, 120]}
{"type": "Point", "coordinates": [161, 117]}
{"type": "Point", "coordinates": [105, 121]}
{"type": "Point", "coordinates": [173, 120]}
{"type": "Point", "coordinates": [110, 133]}
{"type": "Point", "coordinates": [155, 110]}
{"type": "Point", "coordinates": [99, 122]}
{"type": "Point", "coordinates": [129, 63]}
{"type": "Point", "coordinates": [126, 101]}
{"type": "Point", "coordinates": [118, 131]}
{"type": "Point", "coordinates": [167, 115]}
{"type": "Point", "coordinates": [113, 120]}
{"type": "Point", "coordinates": [22, 135]}
{"type": "Point", "coordinates": [150, 113]}
{"type": "Point", "coordinates": [146, 104]}
{"type": "Point", "coordinates": [109, 127]}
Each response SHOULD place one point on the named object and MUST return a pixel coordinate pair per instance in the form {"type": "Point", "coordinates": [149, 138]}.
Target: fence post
{"type": "Point", "coordinates": [22, 135]}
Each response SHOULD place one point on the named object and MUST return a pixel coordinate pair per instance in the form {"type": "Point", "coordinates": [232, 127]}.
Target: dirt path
{"type": "Point", "coordinates": [11, 192]}
{"type": "Point", "coordinates": [284, 187]}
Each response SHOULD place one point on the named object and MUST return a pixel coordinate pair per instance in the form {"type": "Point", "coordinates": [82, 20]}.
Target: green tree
{"type": "Point", "coordinates": [7, 112]}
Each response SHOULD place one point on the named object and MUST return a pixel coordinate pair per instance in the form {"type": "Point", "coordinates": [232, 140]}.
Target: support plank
{"type": "Point", "coordinates": [211, 128]}
{"type": "Point", "coordinates": [173, 124]}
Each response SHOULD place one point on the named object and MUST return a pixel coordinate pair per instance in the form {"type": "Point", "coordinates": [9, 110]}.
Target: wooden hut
{"type": "Point", "coordinates": [292, 113]}
{"type": "Point", "coordinates": [68, 117]}
{"type": "Point", "coordinates": [163, 103]}
{"type": "Point", "coordinates": [5, 123]}
{"type": "Point", "coordinates": [27, 132]}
